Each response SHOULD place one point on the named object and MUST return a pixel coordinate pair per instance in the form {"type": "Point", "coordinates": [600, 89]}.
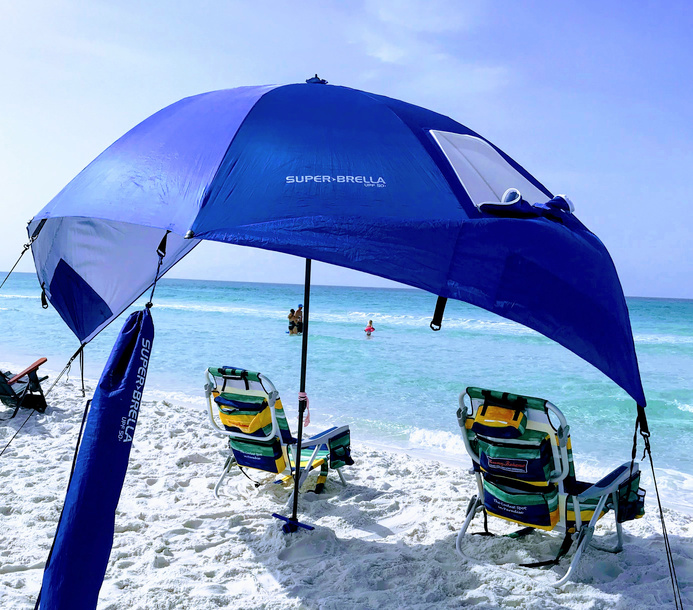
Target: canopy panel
{"type": "Point", "coordinates": [336, 175]}
{"type": "Point", "coordinates": [157, 173]}
{"type": "Point", "coordinates": [92, 270]}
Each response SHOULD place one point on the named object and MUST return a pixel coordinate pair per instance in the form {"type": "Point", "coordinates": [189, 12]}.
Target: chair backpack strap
{"type": "Point", "coordinates": [485, 532]}
{"type": "Point", "coordinates": [565, 547]}
{"type": "Point", "coordinates": [521, 532]}
{"type": "Point", "coordinates": [247, 476]}
{"type": "Point", "coordinates": [518, 405]}
{"type": "Point", "coordinates": [500, 417]}
{"type": "Point", "coordinates": [229, 372]}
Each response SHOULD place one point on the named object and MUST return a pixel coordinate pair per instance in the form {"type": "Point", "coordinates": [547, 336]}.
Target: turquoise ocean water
{"type": "Point", "coordinates": [400, 387]}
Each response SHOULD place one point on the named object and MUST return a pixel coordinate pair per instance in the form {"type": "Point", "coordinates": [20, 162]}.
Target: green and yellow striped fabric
{"type": "Point", "coordinates": [244, 413]}
{"type": "Point", "coordinates": [516, 472]}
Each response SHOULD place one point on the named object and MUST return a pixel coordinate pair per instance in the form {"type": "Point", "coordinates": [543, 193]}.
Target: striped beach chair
{"type": "Point", "coordinates": [523, 462]}
{"type": "Point", "coordinates": [245, 406]}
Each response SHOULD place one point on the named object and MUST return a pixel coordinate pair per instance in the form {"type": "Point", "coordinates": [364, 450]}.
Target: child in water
{"type": "Point", "coordinates": [369, 329]}
{"type": "Point", "coordinates": [292, 322]}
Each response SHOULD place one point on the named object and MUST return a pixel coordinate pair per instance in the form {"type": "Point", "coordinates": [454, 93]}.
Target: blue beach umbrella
{"type": "Point", "coordinates": [341, 176]}
{"type": "Point", "coordinates": [326, 173]}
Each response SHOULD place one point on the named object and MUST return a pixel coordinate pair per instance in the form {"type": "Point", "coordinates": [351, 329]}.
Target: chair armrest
{"type": "Point", "coordinates": [323, 437]}
{"type": "Point", "coordinates": [27, 370]}
{"type": "Point", "coordinates": [610, 482]}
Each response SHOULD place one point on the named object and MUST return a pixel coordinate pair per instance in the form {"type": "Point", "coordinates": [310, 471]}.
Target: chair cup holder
{"type": "Point", "coordinates": [633, 507]}
{"type": "Point", "coordinates": [631, 500]}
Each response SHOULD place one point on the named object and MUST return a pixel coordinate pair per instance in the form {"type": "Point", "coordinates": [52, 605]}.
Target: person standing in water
{"type": "Point", "coordinates": [299, 319]}
{"type": "Point", "coordinates": [292, 322]}
{"type": "Point", "coordinates": [369, 329]}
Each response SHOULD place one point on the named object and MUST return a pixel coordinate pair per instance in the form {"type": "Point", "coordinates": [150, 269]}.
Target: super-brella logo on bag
{"type": "Point", "coordinates": [378, 182]}
{"type": "Point", "coordinates": [127, 423]}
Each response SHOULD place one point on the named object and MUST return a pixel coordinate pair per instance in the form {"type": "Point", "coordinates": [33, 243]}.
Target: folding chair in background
{"type": "Point", "coordinates": [23, 389]}
{"type": "Point", "coordinates": [245, 406]}
{"type": "Point", "coordinates": [523, 462]}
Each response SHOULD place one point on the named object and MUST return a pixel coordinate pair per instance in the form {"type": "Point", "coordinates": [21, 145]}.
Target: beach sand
{"type": "Point", "coordinates": [386, 540]}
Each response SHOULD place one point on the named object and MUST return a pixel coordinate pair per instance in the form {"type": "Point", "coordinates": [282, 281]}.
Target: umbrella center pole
{"type": "Point", "coordinates": [292, 523]}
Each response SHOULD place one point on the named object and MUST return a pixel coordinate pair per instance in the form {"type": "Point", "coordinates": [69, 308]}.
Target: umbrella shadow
{"type": "Point", "coordinates": [382, 565]}
{"type": "Point", "coordinates": [622, 573]}
{"type": "Point", "coordinates": [358, 519]}
{"type": "Point", "coordinates": [33, 423]}
{"type": "Point", "coordinates": [322, 570]}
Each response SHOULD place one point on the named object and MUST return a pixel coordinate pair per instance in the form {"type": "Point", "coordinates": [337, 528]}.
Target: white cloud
{"type": "Point", "coordinates": [427, 15]}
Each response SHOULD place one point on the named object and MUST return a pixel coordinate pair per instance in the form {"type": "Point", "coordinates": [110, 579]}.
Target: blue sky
{"type": "Point", "coordinates": [593, 98]}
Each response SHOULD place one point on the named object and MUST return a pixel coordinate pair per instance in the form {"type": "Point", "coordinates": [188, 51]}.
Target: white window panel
{"type": "Point", "coordinates": [484, 173]}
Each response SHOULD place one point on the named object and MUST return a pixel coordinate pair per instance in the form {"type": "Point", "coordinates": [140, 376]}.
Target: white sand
{"type": "Point", "coordinates": [384, 541]}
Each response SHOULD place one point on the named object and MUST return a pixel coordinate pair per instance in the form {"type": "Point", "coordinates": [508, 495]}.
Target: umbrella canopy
{"type": "Point", "coordinates": [340, 176]}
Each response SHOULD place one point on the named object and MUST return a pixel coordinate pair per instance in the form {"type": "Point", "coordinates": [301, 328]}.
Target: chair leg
{"type": "Point", "coordinates": [341, 476]}
{"type": "Point", "coordinates": [472, 509]}
{"type": "Point", "coordinates": [619, 527]}
{"type": "Point", "coordinates": [584, 536]}
{"type": "Point", "coordinates": [322, 477]}
{"type": "Point", "coordinates": [34, 388]}
{"type": "Point", "coordinates": [583, 541]}
{"type": "Point", "coordinates": [309, 467]}
{"type": "Point", "coordinates": [230, 461]}
{"type": "Point", "coordinates": [619, 533]}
